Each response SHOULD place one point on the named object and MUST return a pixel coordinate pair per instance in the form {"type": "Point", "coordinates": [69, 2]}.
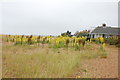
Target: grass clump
{"type": "Point", "coordinates": [35, 62]}
{"type": "Point", "coordinates": [102, 51]}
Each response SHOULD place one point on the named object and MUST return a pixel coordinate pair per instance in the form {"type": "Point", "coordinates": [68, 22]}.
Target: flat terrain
{"type": "Point", "coordinates": [35, 61]}
{"type": "Point", "coordinates": [101, 68]}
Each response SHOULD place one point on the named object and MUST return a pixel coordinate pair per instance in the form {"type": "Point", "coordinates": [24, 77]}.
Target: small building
{"type": "Point", "coordinates": [104, 31]}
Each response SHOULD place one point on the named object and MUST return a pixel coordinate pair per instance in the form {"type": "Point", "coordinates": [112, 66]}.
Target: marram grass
{"type": "Point", "coordinates": [36, 62]}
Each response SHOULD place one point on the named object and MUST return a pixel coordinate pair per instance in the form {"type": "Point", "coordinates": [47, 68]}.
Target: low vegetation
{"type": "Point", "coordinates": [47, 56]}
{"type": "Point", "coordinates": [113, 41]}
{"type": "Point", "coordinates": [31, 61]}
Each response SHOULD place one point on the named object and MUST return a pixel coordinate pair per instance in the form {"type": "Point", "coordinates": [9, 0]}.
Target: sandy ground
{"type": "Point", "coordinates": [100, 67]}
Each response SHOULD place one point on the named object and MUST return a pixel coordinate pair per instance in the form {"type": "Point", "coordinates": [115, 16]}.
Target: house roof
{"type": "Point", "coordinates": [107, 30]}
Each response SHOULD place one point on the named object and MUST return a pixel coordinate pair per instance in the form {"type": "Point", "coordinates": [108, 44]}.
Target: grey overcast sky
{"type": "Point", "coordinates": [52, 17]}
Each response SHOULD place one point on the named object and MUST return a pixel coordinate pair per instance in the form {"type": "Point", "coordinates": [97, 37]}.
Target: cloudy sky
{"type": "Point", "coordinates": [51, 17]}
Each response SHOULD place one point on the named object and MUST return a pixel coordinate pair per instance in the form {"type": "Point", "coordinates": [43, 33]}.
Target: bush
{"type": "Point", "coordinates": [118, 45]}
{"type": "Point", "coordinates": [113, 41]}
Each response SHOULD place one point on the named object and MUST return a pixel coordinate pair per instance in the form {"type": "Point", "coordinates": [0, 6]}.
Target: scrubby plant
{"type": "Point", "coordinates": [102, 51]}
{"type": "Point", "coordinates": [113, 41]}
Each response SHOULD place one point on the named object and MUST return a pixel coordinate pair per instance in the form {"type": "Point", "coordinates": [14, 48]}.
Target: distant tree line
{"type": "Point", "coordinates": [68, 33]}
{"type": "Point", "coordinates": [82, 33]}
{"type": "Point", "coordinates": [77, 33]}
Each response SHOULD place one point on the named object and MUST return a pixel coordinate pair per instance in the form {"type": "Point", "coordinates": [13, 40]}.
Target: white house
{"type": "Point", "coordinates": [104, 31]}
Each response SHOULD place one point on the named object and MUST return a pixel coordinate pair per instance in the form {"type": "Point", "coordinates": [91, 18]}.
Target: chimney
{"type": "Point", "coordinates": [104, 25]}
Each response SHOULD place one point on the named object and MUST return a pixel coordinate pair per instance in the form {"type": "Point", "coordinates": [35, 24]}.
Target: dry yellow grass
{"type": "Point", "coordinates": [0, 56]}
{"type": "Point", "coordinates": [36, 62]}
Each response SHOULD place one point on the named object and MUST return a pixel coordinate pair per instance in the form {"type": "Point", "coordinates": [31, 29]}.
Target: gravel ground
{"type": "Point", "coordinates": [100, 67]}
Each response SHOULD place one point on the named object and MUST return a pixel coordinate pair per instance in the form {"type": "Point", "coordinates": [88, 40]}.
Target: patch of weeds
{"type": "Point", "coordinates": [103, 55]}
{"type": "Point", "coordinates": [77, 47]}
{"type": "Point", "coordinates": [84, 70]}
{"type": "Point", "coordinates": [85, 74]}
{"type": "Point", "coordinates": [102, 51]}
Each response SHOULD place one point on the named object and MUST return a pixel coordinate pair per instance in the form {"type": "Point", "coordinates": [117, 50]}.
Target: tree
{"type": "Point", "coordinates": [68, 33]}
{"type": "Point", "coordinates": [81, 33]}
{"type": "Point", "coordinates": [64, 34]}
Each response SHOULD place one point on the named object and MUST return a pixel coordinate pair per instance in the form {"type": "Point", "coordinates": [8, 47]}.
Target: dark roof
{"type": "Point", "coordinates": [107, 30]}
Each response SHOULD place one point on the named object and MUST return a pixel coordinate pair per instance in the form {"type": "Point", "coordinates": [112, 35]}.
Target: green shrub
{"type": "Point", "coordinates": [113, 41]}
